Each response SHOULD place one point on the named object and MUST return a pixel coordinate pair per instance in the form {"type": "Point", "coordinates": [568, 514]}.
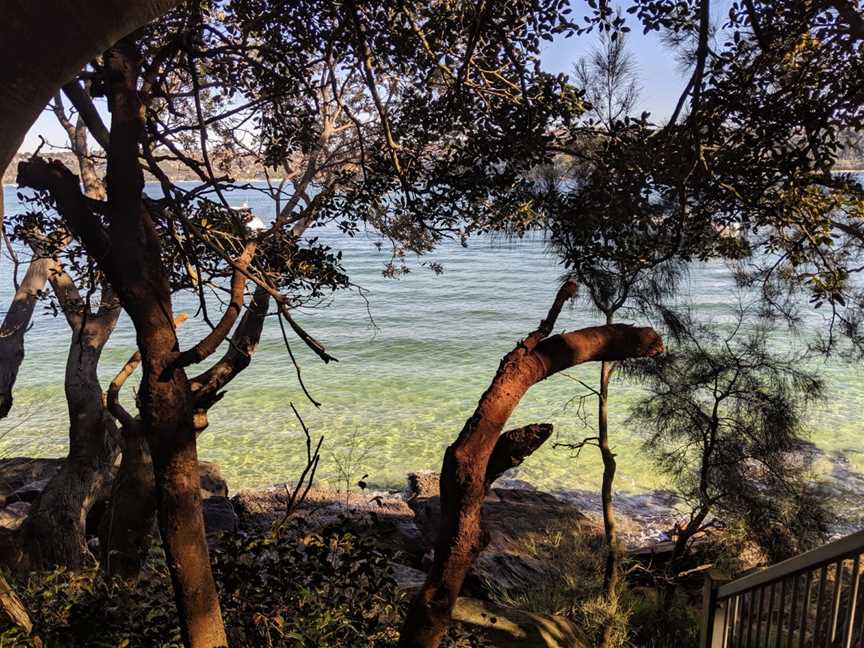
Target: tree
{"type": "Point", "coordinates": [471, 462]}
{"type": "Point", "coordinates": [53, 533]}
{"type": "Point", "coordinates": [771, 106]}
{"type": "Point", "coordinates": [414, 184]}
{"type": "Point", "coordinates": [725, 415]}
{"type": "Point", "coordinates": [617, 217]}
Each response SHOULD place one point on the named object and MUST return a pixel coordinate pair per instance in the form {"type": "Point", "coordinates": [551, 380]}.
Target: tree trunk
{"type": "Point", "coordinates": [463, 474]}
{"type": "Point", "coordinates": [135, 270]}
{"type": "Point", "coordinates": [15, 326]}
{"type": "Point", "coordinates": [53, 533]}
{"type": "Point", "coordinates": [129, 253]}
{"type": "Point", "coordinates": [612, 570]}
{"type": "Point", "coordinates": [678, 552]}
{"type": "Point", "coordinates": [131, 516]}
{"type": "Point", "coordinates": [129, 522]}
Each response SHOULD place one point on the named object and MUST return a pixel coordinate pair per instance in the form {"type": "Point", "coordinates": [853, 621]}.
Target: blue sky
{"type": "Point", "coordinates": [661, 79]}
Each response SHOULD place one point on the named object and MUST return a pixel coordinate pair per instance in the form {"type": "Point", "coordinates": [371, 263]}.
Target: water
{"type": "Point", "coordinates": [401, 392]}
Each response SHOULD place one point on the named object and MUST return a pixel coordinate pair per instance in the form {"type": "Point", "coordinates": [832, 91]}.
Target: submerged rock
{"type": "Point", "coordinates": [213, 484]}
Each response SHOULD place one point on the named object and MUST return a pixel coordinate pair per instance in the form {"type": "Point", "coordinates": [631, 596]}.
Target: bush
{"type": "Point", "coordinates": [652, 627]}
{"type": "Point", "coordinates": [283, 588]}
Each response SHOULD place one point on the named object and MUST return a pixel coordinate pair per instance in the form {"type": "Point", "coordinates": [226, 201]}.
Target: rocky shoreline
{"type": "Point", "coordinates": [644, 518]}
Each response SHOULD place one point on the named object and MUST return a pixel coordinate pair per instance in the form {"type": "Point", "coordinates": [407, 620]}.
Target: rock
{"type": "Point", "coordinates": [29, 492]}
{"type": "Point", "coordinates": [513, 519]}
{"type": "Point", "coordinates": [213, 484]}
{"type": "Point", "coordinates": [421, 485]}
{"type": "Point", "coordinates": [408, 579]}
{"type": "Point", "coordinates": [17, 472]}
{"type": "Point", "coordinates": [506, 627]}
{"type": "Point", "coordinates": [23, 478]}
{"type": "Point", "coordinates": [219, 515]}
{"type": "Point", "coordinates": [13, 515]}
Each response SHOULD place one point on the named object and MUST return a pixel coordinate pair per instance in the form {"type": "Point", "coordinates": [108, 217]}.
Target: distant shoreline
{"type": "Point", "coordinates": [239, 181]}
{"type": "Point", "coordinates": [278, 180]}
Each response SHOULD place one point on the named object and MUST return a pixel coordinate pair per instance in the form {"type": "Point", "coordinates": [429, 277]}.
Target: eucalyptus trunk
{"type": "Point", "coordinates": [53, 533]}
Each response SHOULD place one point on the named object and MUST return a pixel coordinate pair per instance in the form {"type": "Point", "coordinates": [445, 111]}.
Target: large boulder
{"type": "Point", "coordinates": [513, 520]}
{"type": "Point", "coordinates": [17, 473]}
{"type": "Point", "coordinates": [219, 515]}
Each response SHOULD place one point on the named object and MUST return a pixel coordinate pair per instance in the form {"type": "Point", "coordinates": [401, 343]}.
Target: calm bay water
{"type": "Point", "coordinates": [401, 392]}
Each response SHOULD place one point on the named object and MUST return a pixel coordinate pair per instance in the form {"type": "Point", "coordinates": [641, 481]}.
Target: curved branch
{"type": "Point", "coordinates": [70, 34]}
{"type": "Point", "coordinates": [73, 206]}
{"type": "Point", "coordinates": [112, 402]}
{"type": "Point", "coordinates": [207, 346]}
{"type": "Point", "coordinates": [15, 325]}
{"type": "Point", "coordinates": [465, 471]}
{"type": "Point", "coordinates": [84, 105]}
{"type": "Point", "coordinates": [238, 356]}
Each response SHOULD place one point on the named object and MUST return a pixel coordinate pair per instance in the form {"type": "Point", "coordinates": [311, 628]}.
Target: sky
{"type": "Point", "coordinates": [660, 78]}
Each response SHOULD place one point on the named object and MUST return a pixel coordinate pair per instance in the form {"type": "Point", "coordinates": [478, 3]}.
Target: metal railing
{"type": "Point", "coordinates": [812, 600]}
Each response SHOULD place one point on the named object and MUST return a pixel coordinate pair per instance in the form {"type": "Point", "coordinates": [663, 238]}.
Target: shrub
{"type": "Point", "coordinates": [652, 627]}
{"type": "Point", "coordinates": [279, 589]}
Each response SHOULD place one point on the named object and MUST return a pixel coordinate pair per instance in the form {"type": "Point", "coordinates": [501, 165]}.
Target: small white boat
{"type": "Point", "coordinates": [249, 218]}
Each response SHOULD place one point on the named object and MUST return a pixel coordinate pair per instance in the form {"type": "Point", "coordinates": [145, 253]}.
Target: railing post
{"type": "Point", "coordinates": [714, 614]}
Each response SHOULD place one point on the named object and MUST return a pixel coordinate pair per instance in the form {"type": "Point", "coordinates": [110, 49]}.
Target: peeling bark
{"type": "Point", "coordinates": [466, 461]}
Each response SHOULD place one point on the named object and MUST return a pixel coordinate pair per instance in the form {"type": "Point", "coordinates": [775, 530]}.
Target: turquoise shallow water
{"type": "Point", "coordinates": [401, 392]}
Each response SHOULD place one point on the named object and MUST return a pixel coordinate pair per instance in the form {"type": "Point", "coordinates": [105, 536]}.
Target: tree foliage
{"type": "Point", "coordinates": [726, 415]}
